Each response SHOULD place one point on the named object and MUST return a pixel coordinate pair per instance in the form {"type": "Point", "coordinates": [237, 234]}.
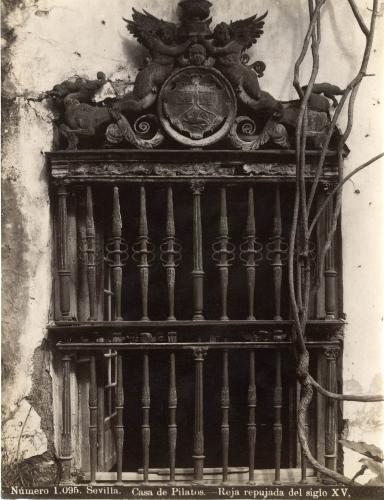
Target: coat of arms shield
{"type": "Point", "coordinates": [197, 106]}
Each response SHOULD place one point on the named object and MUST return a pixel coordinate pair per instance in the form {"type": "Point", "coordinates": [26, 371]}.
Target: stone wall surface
{"type": "Point", "coordinates": [47, 41]}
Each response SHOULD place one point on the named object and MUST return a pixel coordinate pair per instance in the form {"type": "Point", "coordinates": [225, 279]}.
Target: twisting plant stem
{"type": "Point", "coordinates": [355, 87]}
{"type": "Point", "coordinates": [358, 17]}
{"type": "Point", "coordinates": [301, 211]}
{"type": "Point", "coordinates": [346, 397]}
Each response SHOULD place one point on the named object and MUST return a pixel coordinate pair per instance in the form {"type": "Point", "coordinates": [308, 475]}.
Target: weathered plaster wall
{"type": "Point", "coordinates": [50, 40]}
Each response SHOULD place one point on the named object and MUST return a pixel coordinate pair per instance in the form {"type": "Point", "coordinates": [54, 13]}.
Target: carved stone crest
{"type": "Point", "coordinates": [194, 78]}
{"type": "Point", "coordinates": [197, 106]}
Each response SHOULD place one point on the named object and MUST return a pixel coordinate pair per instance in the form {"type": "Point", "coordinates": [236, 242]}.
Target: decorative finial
{"type": "Point", "coordinates": [194, 18]}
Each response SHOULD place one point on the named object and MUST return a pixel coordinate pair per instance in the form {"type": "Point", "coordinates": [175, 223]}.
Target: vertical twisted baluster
{"type": "Point", "coordinates": [145, 405]}
{"type": "Point", "coordinates": [63, 271]}
{"type": "Point", "coordinates": [223, 253]}
{"type": "Point", "coordinates": [82, 293]}
{"type": "Point", "coordinates": [225, 415]}
{"type": "Point", "coordinates": [66, 441]}
{"type": "Point", "coordinates": [117, 270]}
{"type": "Point", "coordinates": [119, 427]}
{"type": "Point", "coordinates": [143, 254]}
{"type": "Point", "coordinates": [330, 411]}
{"type": "Point", "coordinates": [172, 427]}
{"type": "Point", "coordinates": [91, 253]}
{"type": "Point", "coordinates": [170, 254]}
{"type": "Point", "coordinates": [197, 273]}
{"type": "Point", "coordinates": [276, 247]}
{"type": "Point", "coordinates": [330, 273]}
{"type": "Point", "coordinates": [93, 417]}
{"type": "Point", "coordinates": [277, 263]}
{"type": "Point", "coordinates": [250, 254]}
{"type": "Point", "coordinates": [277, 426]}
{"type": "Point", "coordinates": [252, 401]}
{"type": "Point", "coordinates": [198, 449]}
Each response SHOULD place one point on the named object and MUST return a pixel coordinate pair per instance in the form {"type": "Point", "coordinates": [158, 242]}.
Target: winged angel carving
{"type": "Point", "coordinates": [159, 37]}
{"type": "Point", "coordinates": [229, 43]}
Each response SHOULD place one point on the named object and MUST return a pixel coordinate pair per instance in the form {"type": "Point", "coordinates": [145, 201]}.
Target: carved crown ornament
{"type": "Point", "coordinates": [196, 90]}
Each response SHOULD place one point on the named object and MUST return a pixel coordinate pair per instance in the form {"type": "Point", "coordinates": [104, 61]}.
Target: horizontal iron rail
{"type": "Point", "coordinates": [69, 326]}
{"type": "Point", "coordinates": [212, 475]}
{"type": "Point", "coordinates": [176, 155]}
{"type": "Point", "coordinates": [171, 346]}
{"type": "Point", "coordinates": [227, 180]}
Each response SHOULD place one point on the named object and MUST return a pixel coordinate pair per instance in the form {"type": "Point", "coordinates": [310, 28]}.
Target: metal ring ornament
{"type": "Point", "coordinates": [175, 251]}
{"type": "Point", "coordinates": [251, 246]}
{"type": "Point", "coordinates": [273, 247]}
{"type": "Point", "coordinates": [218, 250]}
{"type": "Point", "coordinates": [138, 252]}
{"type": "Point", "coordinates": [110, 251]}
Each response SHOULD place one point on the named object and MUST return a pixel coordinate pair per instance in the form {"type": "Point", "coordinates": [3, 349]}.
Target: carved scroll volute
{"type": "Point", "coordinates": [172, 426]}
{"type": "Point", "coordinates": [170, 254]}
{"type": "Point", "coordinates": [91, 253]}
{"type": "Point", "coordinates": [63, 270]}
{"type": "Point", "coordinates": [143, 254]}
{"type": "Point", "coordinates": [198, 272]}
{"type": "Point", "coordinates": [251, 254]}
{"type": "Point", "coordinates": [223, 253]}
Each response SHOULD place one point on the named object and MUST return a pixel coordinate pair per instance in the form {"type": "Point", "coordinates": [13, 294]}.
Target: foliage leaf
{"type": "Point", "coordinates": [374, 467]}
{"type": "Point", "coordinates": [368, 450]}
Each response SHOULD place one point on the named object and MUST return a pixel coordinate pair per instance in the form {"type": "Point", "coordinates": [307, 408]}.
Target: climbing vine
{"type": "Point", "coordinates": [304, 219]}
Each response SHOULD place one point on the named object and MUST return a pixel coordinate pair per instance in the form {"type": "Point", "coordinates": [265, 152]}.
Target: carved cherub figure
{"type": "Point", "coordinates": [230, 41]}
{"type": "Point", "coordinates": [159, 37]}
{"type": "Point", "coordinates": [197, 56]}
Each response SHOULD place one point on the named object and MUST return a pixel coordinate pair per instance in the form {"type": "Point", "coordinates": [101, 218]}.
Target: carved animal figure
{"type": "Point", "coordinates": [160, 39]}
{"type": "Point", "coordinates": [83, 87]}
{"type": "Point", "coordinates": [82, 118]}
{"type": "Point", "coordinates": [321, 92]}
{"type": "Point", "coordinates": [230, 41]}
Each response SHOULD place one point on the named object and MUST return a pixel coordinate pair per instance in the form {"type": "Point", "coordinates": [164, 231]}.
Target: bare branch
{"type": "Point", "coordinates": [346, 397]}
{"type": "Point", "coordinates": [343, 139]}
{"type": "Point", "coordinates": [300, 317]}
{"type": "Point", "coordinates": [301, 429]}
{"type": "Point", "coordinates": [353, 87]}
{"type": "Point", "coordinates": [301, 134]}
{"type": "Point", "coordinates": [358, 17]}
{"type": "Point", "coordinates": [304, 50]}
{"type": "Point", "coordinates": [338, 187]}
